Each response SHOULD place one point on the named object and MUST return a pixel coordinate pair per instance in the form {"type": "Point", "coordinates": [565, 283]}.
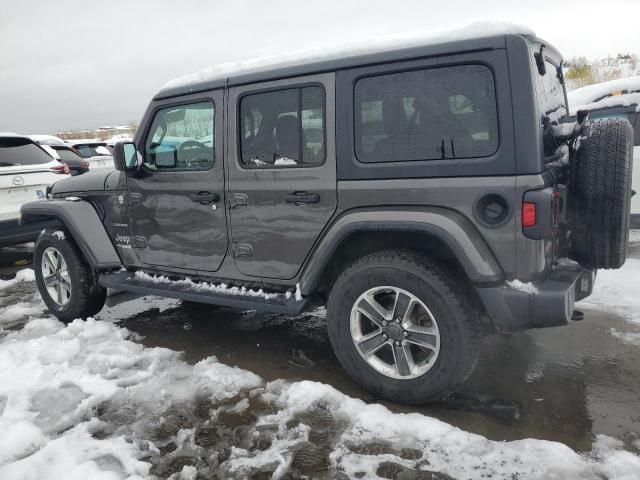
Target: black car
{"type": "Point", "coordinates": [65, 155]}
{"type": "Point", "coordinates": [59, 150]}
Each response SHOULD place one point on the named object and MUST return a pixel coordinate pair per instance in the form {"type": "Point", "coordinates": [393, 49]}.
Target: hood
{"type": "Point", "coordinates": [97, 181]}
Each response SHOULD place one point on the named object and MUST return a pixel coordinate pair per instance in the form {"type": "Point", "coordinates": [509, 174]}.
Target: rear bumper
{"type": "Point", "coordinates": [13, 233]}
{"type": "Point", "coordinates": [548, 303]}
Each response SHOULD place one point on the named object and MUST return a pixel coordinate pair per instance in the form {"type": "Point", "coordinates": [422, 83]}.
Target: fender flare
{"type": "Point", "coordinates": [82, 221]}
{"type": "Point", "coordinates": [456, 231]}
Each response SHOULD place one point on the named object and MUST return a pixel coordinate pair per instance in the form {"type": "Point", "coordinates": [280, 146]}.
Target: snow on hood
{"type": "Point", "coordinates": [591, 96]}
{"type": "Point", "coordinates": [88, 400]}
{"type": "Point", "coordinates": [351, 49]}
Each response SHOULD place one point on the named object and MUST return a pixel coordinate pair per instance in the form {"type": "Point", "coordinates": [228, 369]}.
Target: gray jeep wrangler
{"type": "Point", "coordinates": [426, 194]}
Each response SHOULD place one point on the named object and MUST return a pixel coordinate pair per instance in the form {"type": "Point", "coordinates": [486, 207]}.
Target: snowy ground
{"type": "Point", "coordinates": [89, 401]}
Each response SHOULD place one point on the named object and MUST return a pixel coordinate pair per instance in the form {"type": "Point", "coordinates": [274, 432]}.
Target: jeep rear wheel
{"type": "Point", "coordinates": [600, 194]}
{"type": "Point", "coordinates": [402, 326]}
{"type": "Point", "coordinates": [66, 283]}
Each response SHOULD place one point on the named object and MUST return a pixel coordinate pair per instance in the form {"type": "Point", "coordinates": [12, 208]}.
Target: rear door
{"type": "Point", "coordinates": [281, 172]}
{"type": "Point", "coordinates": [175, 199]}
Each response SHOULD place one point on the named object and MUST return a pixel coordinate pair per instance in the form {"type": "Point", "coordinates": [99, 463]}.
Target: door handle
{"type": "Point", "coordinates": [205, 198]}
{"type": "Point", "coordinates": [302, 198]}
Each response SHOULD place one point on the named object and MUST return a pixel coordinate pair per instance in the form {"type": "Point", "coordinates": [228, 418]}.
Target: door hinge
{"type": "Point", "coordinates": [139, 242]}
{"type": "Point", "coordinates": [238, 199]}
{"type": "Point", "coordinates": [242, 250]}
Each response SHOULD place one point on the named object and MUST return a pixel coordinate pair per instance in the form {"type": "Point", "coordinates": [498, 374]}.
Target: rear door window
{"type": "Point", "coordinates": [17, 151]}
{"type": "Point", "coordinates": [283, 128]}
{"type": "Point", "coordinates": [436, 113]}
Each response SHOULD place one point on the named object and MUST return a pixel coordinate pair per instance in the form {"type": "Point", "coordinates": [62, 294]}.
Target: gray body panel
{"type": "Point", "coordinates": [280, 234]}
{"type": "Point", "coordinates": [90, 181]}
{"type": "Point", "coordinates": [83, 223]}
{"type": "Point", "coordinates": [168, 228]}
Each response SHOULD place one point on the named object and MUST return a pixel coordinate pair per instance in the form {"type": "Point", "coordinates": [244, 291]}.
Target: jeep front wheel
{"type": "Point", "coordinates": [66, 283]}
{"type": "Point", "coordinates": [402, 326]}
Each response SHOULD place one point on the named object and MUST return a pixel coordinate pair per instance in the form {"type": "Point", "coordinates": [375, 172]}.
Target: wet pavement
{"type": "Point", "coordinates": [566, 384]}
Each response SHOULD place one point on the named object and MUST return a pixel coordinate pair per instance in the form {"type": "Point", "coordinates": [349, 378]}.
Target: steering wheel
{"type": "Point", "coordinates": [193, 151]}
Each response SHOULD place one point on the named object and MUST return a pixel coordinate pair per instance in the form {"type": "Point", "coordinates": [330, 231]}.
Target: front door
{"type": "Point", "coordinates": [176, 198]}
{"type": "Point", "coordinates": [282, 172]}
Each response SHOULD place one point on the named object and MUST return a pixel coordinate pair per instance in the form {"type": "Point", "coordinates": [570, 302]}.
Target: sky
{"type": "Point", "coordinates": [81, 64]}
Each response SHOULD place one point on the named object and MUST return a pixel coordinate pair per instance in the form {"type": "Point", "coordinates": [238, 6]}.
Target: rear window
{"type": "Point", "coordinates": [550, 88]}
{"type": "Point", "coordinates": [431, 114]}
{"type": "Point", "coordinates": [17, 151]}
{"type": "Point", "coordinates": [87, 151]}
{"type": "Point", "coordinates": [66, 154]}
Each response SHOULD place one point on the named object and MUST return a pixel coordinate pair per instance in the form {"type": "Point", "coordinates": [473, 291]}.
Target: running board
{"type": "Point", "coordinates": [201, 292]}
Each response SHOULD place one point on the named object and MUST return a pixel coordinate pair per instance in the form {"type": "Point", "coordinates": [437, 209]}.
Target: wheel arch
{"type": "Point", "coordinates": [437, 229]}
{"type": "Point", "coordinates": [83, 223]}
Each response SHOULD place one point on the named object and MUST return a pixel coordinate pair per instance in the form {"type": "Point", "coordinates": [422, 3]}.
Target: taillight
{"type": "Point", "coordinates": [62, 168]}
{"type": "Point", "coordinates": [85, 165]}
{"type": "Point", "coordinates": [528, 214]}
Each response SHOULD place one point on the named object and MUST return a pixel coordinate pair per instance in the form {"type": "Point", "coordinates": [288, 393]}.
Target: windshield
{"type": "Point", "coordinates": [19, 151]}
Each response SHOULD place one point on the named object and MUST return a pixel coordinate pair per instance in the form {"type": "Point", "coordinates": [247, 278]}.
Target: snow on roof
{"type": "Point", "coordinates": [73, 141]}
{"type": "Point", "coordinates": [380, 44]}
{"type": "Point", "coordinates": [606, 94]}
{"type": "Point", "coordinates": [11, 134]}
{"type": "Point", "coordinates": [47, 139]}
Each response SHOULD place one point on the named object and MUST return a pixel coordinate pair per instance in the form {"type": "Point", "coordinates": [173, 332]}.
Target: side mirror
{"type": "Point", "coordinates": [125, 156]}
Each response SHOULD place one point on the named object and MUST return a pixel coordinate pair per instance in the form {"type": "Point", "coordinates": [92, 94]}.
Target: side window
{"type": "Point", "coordinates": [283, 128]}
{"type": "Point", "coordinates": [437, 113]}
{"type": "Point", "coordinates": [182, 138]}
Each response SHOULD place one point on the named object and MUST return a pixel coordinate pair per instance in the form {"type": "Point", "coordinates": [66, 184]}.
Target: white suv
{"type": "Point", "coordinates": [26, 171]}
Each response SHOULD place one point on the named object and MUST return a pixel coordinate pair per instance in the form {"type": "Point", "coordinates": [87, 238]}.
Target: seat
{"type": "Point", "coordinates": [287, 137]}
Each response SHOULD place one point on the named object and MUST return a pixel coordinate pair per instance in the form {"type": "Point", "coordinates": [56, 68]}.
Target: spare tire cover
{"type": "Point", "coordinates": [600, 193]}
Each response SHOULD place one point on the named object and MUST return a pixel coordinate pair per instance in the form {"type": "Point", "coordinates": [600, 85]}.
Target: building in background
{"type": "Point", "coordinates": [101, 133]}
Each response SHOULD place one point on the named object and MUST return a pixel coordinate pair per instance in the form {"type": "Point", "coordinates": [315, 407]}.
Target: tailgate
{"type": "Point", "coordinates": [18, 187]}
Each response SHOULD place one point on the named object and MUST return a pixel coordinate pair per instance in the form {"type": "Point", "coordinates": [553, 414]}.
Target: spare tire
{"type": "Point", "coordinates": [600, 193]}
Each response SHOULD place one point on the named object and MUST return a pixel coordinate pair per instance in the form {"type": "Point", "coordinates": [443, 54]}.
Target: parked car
{"type": "Point", "coordinates": [26, 171]}
{"type": "Point", "coordinates": [88, 149]}
{"type": "Point", "coordinates": [615, 99]}
{"type": "Point", "coordinates": [97, 153]}
{"type": "Point", "coordinates": [46, 139]}
{"type": "Point", "coordinates": [64, 154]}
{"type": "Point", "coordinates": [427, 193]}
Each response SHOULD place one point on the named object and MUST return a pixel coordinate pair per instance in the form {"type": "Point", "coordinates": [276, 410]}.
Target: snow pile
{"type": "Point", "coordinates": [627, 337]}
{"type": "Point", "coordinates": [26, 275]}
{"type": "Point", "coordinates": [87, 401]}
{"type": "Point", "coordinates": [216, 288]}
{"type": "Point", "coordinates": [591, 96]}
{"type": "Point", "coordinates": [528, 287]}
{"type": "Point", "coordinates": [367, 46]}
{"type": "Point", "coordinates": [55, 381]}
{"type": "Point", "coordinates": [616, 291]}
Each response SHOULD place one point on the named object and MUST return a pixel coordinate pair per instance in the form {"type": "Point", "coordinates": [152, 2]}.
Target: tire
{"type": "Point", "coordinates": [600, 194]}
{"type": "Point", "coordinates": [442, 293]}
{"type": "Point", "coordinates": [85, 297]}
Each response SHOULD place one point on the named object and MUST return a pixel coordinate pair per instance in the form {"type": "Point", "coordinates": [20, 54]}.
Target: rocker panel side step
{"type": "Point", "coordinates": [129, 282]}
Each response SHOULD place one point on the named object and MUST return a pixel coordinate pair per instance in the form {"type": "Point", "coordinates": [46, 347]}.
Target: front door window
{"type": "Point", "coordinates": [182, 138]}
